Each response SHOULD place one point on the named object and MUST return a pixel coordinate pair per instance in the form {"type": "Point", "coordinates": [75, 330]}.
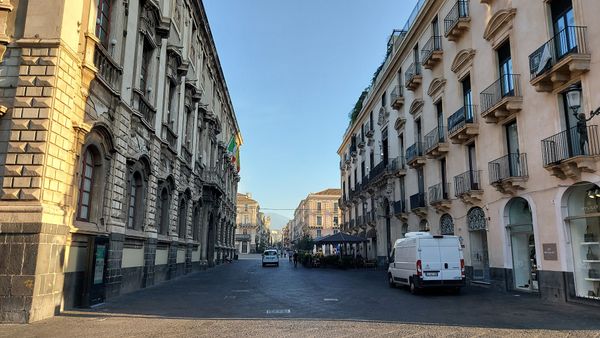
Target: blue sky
{"type": "Point", "coordinates": [294, 69]}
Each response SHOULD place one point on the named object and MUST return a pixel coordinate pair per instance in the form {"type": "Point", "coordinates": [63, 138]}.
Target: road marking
{"type": "Point", "coordinates": [331, 300]}
{"type": "Point", "coordinates": [240, 291]}
{"type": "Point", "coordinates": [230, 297]}
{"type": "Point", "coordinates": [278, 311]}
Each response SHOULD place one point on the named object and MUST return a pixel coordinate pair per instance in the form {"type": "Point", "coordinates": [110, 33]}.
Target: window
{"type": "Point", "coordinates": [335, 221]}
{"type": "Point", "coordinates": [318, 233]}
{"type": "Point", "coordinates": [182, 216]}
{"type": "Point", "coordinates": [335, 207]}
{"type": "Point", "coordinates": [103, 21]}
{"type": "Point", "coordinates": [188, 127]}
{"type": "Point", "coordinates": [196, 223]}
{"type": "Point", "coordinates": [147, 51]}
{"type": "Point", "coordinates": [505, 69]}
{"type": "Point", "coordinates": [85, 186]}
{"type": "Point", "coordinates": [162, 210]}
{"type": "Point", "coordinates": [467, 98]}
{"type": "Point", "coordinates": [172, 104]}
{"type": "Point", "coordinates": [319, 206]}
{"type": "Point", "coordinates": [136, 195]}
{"type": "Point", "coordinates": [383, 99]}
{"type": "Point", "coordinates": [319, 220]}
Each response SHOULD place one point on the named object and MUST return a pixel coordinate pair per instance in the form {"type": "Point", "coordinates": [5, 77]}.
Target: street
{"type": "Point", "coordinates": [245, 299]}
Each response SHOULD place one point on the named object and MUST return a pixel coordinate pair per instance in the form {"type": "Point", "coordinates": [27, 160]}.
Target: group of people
{"type": "Point", "coordinates": [294, 257]}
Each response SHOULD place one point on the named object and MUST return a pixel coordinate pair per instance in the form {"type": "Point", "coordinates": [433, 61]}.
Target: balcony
{"type": "Point", "coordinates": [168, 136]}
{"type": "Point", "coordinates": [560, 60]}
{"type": "Point", "coordinates": [242, 237]}
{"type": "Point", "coordinates": [414, 156]}
{"type": "Point", "coordinates": [186, 154]}
{"type": "Point", "coordinates": [418, 204]}
{"type": "Point", "coordinates": [360, 221]}
{"type": "Point", "coordinates": [502, 99]}
{"type": "Point", "coordinates": [567, 155]}
{"type": "Point", "coordinates": [439, 197]}
{"type": "Point", "coordinates": [432, 52]}
{"type": "Point", "coordinates": [361, 144]}
{"type": "Point", "coordinates": [397, 166]}
{"type": "Point", "coordinates": [400, 210]}
{"type": "Point", "coordinates": [377, 172]}
{"type": "Point", "coordinates": [413, 77]}
{"type": "Point", "coordinates": [352, 224]}
{"type": "Point", "coordinates": [370, 218]}
{"type": "Point", "coordinates": [462, 125]}
{"type": "Point", "coordinates": [369, 132]}
{"type": "Point", "coordinates": [397, 97]}
{"type": "Point", "coordinates": [467, 186]}
{"type": "Point", "coordinates": [436, 144]}
{"type": "Point", "coordinates": [143, 108]}
{"type": "Point", "coordinates": [457, 21]}
{"type": "Point", "coordinates": [109, 71]}
{"type": "Point", "coordinates": [508, 174]}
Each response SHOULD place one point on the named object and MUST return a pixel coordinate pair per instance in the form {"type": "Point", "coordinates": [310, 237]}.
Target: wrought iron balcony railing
{"type": "Point", "coordinates": [509, 166]}
{"type": "Point", "coordinates": [458, 11]}
{"type": "Point", "coordinates": [507, 85]}
{"type": "Point", "coordinates": [570, 143]}
{"type": "Point", "coordinates": [467, 182]}
{"type": "Point", "coordinates": [433, 44]}
{"type": "Point", "coordinates": [143, 108]}
{"type": "Point", "coordinates": [377, 171]}
{"type": "Point", "coordinates": [400, 207]}
{"type": "Point", "coordinates": [397, 93]}
{"type": "Point", "coordinates": [435, 137]}
{"type": "Point", "coordinates": [464, 115]}
{"type": "Point", "coordinates": [186, 154]}
{"type": "Point", "coordinates": [439, 192]}
{"type": "Point", "coordinates": [418, 200]}
{"type": "Point", "coordinates": [570, 40]}
{"type": "Point", "coordinates": [413, 70]}
{"type": "Point", "coordinates": [414, 151]}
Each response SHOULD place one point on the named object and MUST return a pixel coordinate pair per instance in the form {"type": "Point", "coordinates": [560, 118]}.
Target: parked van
{"type": "Point", "coordinates": [421, 260]}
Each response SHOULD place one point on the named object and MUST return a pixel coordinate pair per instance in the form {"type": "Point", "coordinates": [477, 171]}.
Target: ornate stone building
{"type": "Point", "coordinates": [249, 223]}
{"type": "Point", "coordinates": [475, 125]}
{"type": "Point", "coordinates": [114, 124]}
{"type": "Point", "coordinates": [318, 215]}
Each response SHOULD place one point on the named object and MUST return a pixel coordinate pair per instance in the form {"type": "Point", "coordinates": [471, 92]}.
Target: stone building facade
{"type": "Point", "coordinates": [249, 224]}
{"type": "Point", "coordinates": [318, 215]}
{"type": "Point", "coordinates": [468, 130]}
{"type": "Point", "coordinates": [114, 122]}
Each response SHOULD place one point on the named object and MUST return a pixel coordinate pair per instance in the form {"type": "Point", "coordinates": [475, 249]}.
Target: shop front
{"type": "Point", "coordinates": [583, 223]}
{"type": "Point", "coordinates": [479, 245]}
{"type": "Point", "coordinates": [522, 243]}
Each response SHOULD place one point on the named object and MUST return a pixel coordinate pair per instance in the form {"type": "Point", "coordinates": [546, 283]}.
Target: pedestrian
{"type": "Point", "coordinates": [295, 258]}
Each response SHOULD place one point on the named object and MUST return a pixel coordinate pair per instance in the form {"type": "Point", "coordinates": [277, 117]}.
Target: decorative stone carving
{"type": "Point", "coordinates": [499, 24]}
{"type": "Point", "coordinates": [463, 61]}
{"type": "Point", "coordinates": [476, 219]}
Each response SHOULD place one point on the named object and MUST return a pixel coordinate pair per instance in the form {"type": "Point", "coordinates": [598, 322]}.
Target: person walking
{"type": "Point", "coordinates": [295, 259]}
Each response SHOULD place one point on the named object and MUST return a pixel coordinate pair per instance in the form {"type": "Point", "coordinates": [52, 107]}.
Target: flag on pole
{"type": "Point", "coordinates": [234, 150]}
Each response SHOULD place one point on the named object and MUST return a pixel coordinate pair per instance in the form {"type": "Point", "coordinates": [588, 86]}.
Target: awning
{"type": "Point", "coordinates": [339, 238]}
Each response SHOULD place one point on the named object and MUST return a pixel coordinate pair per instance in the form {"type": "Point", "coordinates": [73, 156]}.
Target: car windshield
{"type": "Point", "coordinates": [270, 253]}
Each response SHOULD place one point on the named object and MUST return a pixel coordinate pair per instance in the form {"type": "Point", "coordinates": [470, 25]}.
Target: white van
{"type": "Point", "coordinates": [422, 260]}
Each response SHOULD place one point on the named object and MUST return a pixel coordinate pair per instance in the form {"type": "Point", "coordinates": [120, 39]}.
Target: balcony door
{"type": "Point", "coordinates": [420, 181]}
{"type": "Point", "coordinates": [384, 145]}
{"type": "Point", "coordinates": [440, 121]}
{"type": "Point", "coordinates": [507, 86]}
{"type": "Point", "coordinates": [512, 146]}
{"type": "Point", "coordinates": [474, 184]}
{"type": "Point", "coordinates": [562, 18]}
{"type": "Point", "coordinates": [443, 174]}
{"type": "Point", "coordinates": [468, 99]}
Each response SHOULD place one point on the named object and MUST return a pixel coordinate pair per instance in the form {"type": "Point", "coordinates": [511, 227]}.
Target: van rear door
{"type": "Point", "coordinates": [450, 254]}
{"type": "Point", "coordinates": [430, 258]}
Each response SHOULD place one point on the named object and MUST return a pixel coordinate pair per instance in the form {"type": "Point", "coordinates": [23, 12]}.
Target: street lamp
{"type": "Point", "coordinates": [573, 94]}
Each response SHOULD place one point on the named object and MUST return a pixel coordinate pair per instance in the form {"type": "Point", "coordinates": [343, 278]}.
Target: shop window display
{"type": "Point", "coordinates": [584, 223]}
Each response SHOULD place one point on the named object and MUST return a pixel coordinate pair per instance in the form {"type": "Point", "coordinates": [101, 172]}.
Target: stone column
{"type": "Point", "coordinates": [113, 264]}
{"type": "Point", "coordinates": [149, 259]}
{"type": "Point", "coordinates": [172, 261]}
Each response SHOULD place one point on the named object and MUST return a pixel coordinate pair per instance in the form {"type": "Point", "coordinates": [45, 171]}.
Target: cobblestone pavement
{"type": "Point", "coordinates": [244, 299]}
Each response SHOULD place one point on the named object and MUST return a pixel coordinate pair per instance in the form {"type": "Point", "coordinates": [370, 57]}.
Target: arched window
{"type": "Point", "coordinates": [182, 216]}
{"type": "Point", "coordinates": [196, 222]}
{"type": "Point", "coordinates": [136, 197]}
{"type": "Point", "coordinates": [103, 21]}
{"type": "Point", "coordinates": [162, 210]}
{"type": "Point", "coordinates": [85, 185]}
{"type": "Point", "coordinates": [446, 225]}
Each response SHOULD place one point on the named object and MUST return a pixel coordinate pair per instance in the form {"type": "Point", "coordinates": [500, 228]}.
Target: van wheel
{"type": "Point", "coordinates": [413, 288]}
{"type": "Point", "coordinates": [391, 281]}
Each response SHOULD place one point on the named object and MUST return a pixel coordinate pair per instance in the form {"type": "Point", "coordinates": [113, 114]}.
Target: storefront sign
{"type": "Point", "coordinates": [550, 251]}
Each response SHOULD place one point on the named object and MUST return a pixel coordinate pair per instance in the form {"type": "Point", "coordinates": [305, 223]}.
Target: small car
{"type": "Point", "coordinates": [270, 257]}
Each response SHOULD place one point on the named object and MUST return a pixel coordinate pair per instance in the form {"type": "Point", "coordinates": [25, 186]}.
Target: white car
{"type": "Point", "coordinates": [270, 257]}
{"type": "Point", "coordinates": [422, 260]}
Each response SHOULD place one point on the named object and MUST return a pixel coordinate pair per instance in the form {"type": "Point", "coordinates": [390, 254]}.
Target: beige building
{"type": "Point", "coordinates": [468, 130]}
{"type": "Point", "coordinates": [249, 224]}
{"type": "Point", "coordinates": [317, 215]}
{"type": "Point", "coordinates": [114, 124]}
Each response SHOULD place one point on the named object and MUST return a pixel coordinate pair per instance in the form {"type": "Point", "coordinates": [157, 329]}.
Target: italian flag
{"type": "Point", "coordinates": [234, 149]}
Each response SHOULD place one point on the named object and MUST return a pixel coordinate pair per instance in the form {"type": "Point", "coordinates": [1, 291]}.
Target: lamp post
{"type": "Point", "coordinates": [573, 94]}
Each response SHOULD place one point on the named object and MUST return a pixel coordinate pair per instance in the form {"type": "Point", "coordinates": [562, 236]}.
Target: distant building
{"type": "Point", "coordinates": [249, 222]}
{"type": "Point", "coordinates": [317, 215]}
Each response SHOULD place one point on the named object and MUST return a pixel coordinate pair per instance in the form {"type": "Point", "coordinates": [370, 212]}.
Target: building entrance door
{"type": "Point", "coordinates": [479, 246]}
{"type": "Point", "coordinates": [94, 292]}
{"type": "Point", "coordinates": [245, 247]}
{"type": "Point", "coordinates": [522, 242]}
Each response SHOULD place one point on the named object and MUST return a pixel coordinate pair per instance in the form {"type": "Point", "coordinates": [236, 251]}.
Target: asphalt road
{"type": "Point", "coordinates": [245, 299]}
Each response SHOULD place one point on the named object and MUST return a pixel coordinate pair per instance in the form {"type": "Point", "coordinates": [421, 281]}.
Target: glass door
{"type": "Point", "coordinates": [468, 99]}
{"type": "Point", "coordinates": [479, 255]}
{"type": "Point", "coordinates": [512, 140]}
{"type": "Point", "coordinates": [474, 181]}
{"type": "Point", "coordinates": [440, 121]}
{"type": "Point", "coordinates": [563, 22]}
{"type": "Point", "coordinates": [507, 86]}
